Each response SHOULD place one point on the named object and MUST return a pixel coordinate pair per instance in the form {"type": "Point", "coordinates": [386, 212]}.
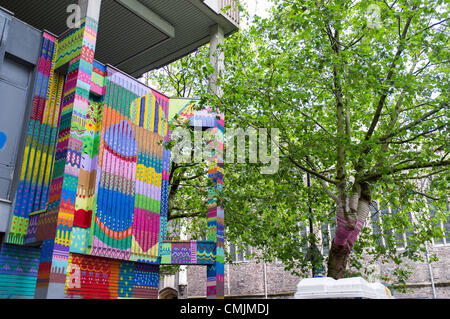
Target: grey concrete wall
{"type": "Point", "coordinates": [19, 51]}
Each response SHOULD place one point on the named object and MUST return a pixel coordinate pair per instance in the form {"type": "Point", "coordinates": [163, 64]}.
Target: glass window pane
{"type": "Point", "coordinates": [409, 233]}
{"type": "Point", "coordinates": [447, 225]}
{"type": "Point", "coordinates": [332, 232]}
{"type": "Point", "coordinates": [432, 210]}
{"type": "Point", "coordinates": [247, 253]}
{"type": "Point", "coordinates": [303, 234]}
{"type": "Point", "coordinates": [325, 239]}
{"type": "Point", "coordinates": [240, 256]}
{"type": "Point", "coordinates": [233, 252]}
{"type": "Point", "coordinates": [399, 236]}
{"type": "Point", "coordinates": [375, 222]}
{"type": "Point", "coordinates": [387, 232]}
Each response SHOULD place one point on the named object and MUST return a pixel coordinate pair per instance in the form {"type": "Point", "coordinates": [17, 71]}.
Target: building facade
{"type": "Point", "coordinates": [84, 171]}
{"type": "Point", "coordinates": [248, 279]}
{"type": "Point", "coordinates": [245, 278]}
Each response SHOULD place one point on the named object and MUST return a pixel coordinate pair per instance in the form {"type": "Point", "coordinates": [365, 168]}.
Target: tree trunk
{"type": "Point", "coordinates": [348, 230]}
{"type": "Point", "coordinates": [337, 261]}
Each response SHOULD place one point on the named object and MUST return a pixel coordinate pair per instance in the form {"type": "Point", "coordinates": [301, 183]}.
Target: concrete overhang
{"type": "Point", "coordinates": [136, 36]}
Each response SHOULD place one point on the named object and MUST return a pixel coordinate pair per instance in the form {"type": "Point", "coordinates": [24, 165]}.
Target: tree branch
{"type": "Point", "coordinates": [389, 171]}
{"type": "Point", "coordinates": [422, 176]}
{"type": "Point", "coordinates": [426, 195]}
{"type": "Point", "coordinates": [410, 125]}
{"type": "Point", "coordinates": [417, 136]}
{"type": "Point", "coordinates": [389, 76]}
{"type": "Point", "coordinates": [429, 27]}
{"type": "Point", "coordinates": [187, 215]}
{"type": "Point", "coordinates": [329, 192]}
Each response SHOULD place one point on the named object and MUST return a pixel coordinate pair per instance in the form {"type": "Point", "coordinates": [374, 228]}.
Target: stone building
{"type": "Point", "coordinates": [246, 278]}
{"type": "Point", "coordinates": [249, 279]}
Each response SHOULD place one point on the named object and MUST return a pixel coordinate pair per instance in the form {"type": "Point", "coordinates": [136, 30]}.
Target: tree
{"type": "Point", "coordinates": [188, 183]}
{"type": "Point", "coordinates": [359, 93]}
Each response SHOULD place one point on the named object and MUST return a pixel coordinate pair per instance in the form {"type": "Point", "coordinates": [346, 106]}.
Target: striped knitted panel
{"type": "Point", "coordinates": [18, 271]}
{"type": "Point", "coordinates": [98, 80]}
{"type": "Point", "coordinates": [36, 168]}
{"type": "Point", "coordinates": [115, 171]}
{"type": "Point", "coordinates": [70, 46]}
{"type": "Point", "coordinates": [188, 253]}
{"type": "Point", "coordinates": [215, 222]}
{"type": "Point", "coordinates": [67, 163]}
{"type": "Point", "coordinates": [126, 221]}
{"type": "Point", "coordinates": [88, 167]}
{"type": "Point", "coordinates": [103, 278]}
{"type": "Point", "coordinates": [147, 115]}
{"type": "Point", "coordinates": [164, 102]}
{"type": "Point", "coordinates": [63, 138]}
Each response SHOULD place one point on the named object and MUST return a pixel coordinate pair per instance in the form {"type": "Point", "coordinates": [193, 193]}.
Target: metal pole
{"type": "Point", "coordinates": [430, 271]}
{"type": "Point", "coordinates": [265, 280]}
{"type": "Point", "coordinates": [228, 279]}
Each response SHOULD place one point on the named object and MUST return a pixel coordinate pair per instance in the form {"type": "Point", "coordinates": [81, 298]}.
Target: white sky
{"type": "Point", "coordinates": [258, 7]}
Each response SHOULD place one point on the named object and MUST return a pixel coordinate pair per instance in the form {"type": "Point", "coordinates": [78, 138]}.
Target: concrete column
{"type": "Point", "coordinates": [215, 273]}
{"type": "Point", "coordinates": [216, 56]}
{"type": "Point", "coordinates": [90, 8]}
{"type": "Point", "coordinates": [52, 271]}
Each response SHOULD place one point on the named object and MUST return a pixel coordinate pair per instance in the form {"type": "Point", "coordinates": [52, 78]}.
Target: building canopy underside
{"type": "Point", "coordinates": [135, 36]}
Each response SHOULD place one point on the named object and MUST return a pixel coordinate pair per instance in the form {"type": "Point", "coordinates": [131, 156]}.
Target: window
{"type": "Point", "coordinates": [432, 210]}
{"type": "Point", "coordinates": [400, 237]}
{"type": "Point", "coordinates": [409, 233]}
{"type": "Point", "coordinates": [325, 239]}
{"type": "Point", "coordinates": [447, 225]}
{"type": "Point", "coordinates": [387, 232]}
{"type": "Point", "coordinates": [304, 234]}
{"type": "Point", "coordinates": [375, 222]}
{"type": "Point", "coordinates": [380, 221]}
{"type": "Point", "coordinates": [332, 230]}
{"type": "Point", "coordinates": [238, 255]}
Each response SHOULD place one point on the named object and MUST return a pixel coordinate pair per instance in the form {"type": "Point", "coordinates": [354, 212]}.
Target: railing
{"type": "Point", "coordinates": [233, 12]}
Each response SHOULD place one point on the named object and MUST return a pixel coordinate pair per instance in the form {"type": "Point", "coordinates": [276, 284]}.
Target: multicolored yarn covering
{"type": "Point", "coordinates": [182, 110]}
{"type": "Point", "coordinates": [18, 271]}
{"type": "Point", "coordinates": [164, 103]}
{"type": "Point", "coordinates": [187, 110]}
{"type": "Point", "coordinates": [35, 174]}
{"type": "Point", "coordinates": [94, 183]}
{"type": "Point", "coordinates": [128, 197]}
{"type": "Point", "coordinates": [75, 107]}
{"type": "Point", "coordinates": [188, 253]}
{"type": "Point", "coordinates": [70, 45]}
{"type": "Point", "coordinates": [45, 264]}
{"type": "Point", "coordinates": [102, 278]}
{"type": "Point", "coordinates": [216, 228]}
{"type": "Point", "coordinates": [98, 79]}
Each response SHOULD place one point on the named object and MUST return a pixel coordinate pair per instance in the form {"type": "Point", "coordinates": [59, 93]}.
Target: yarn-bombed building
{"type": "Point", "coordinates": [83, 166]}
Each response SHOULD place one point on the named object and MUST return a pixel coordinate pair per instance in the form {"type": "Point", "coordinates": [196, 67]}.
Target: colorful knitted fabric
{"type": "Point", "coordinates": [116, 170]}
{"type": "Point", "coordinates": [66, 173]}
{"type": "Point", "coordinates": [188, 253]}
{"type": "Point", "coordinates": [38, 154]}
{"type": "Point", "coordinates": [215, 222]}
{"type": "Point", "coordinates": [18, 271]}
{"type": "Point", "coordinates": [94, 183]}
{"type": "Point", "coordinates": [70, 46]}
{"type": "Point", "coordinates": [102, 278]}
{"type": "Point", "coordinates": [130, 168]}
